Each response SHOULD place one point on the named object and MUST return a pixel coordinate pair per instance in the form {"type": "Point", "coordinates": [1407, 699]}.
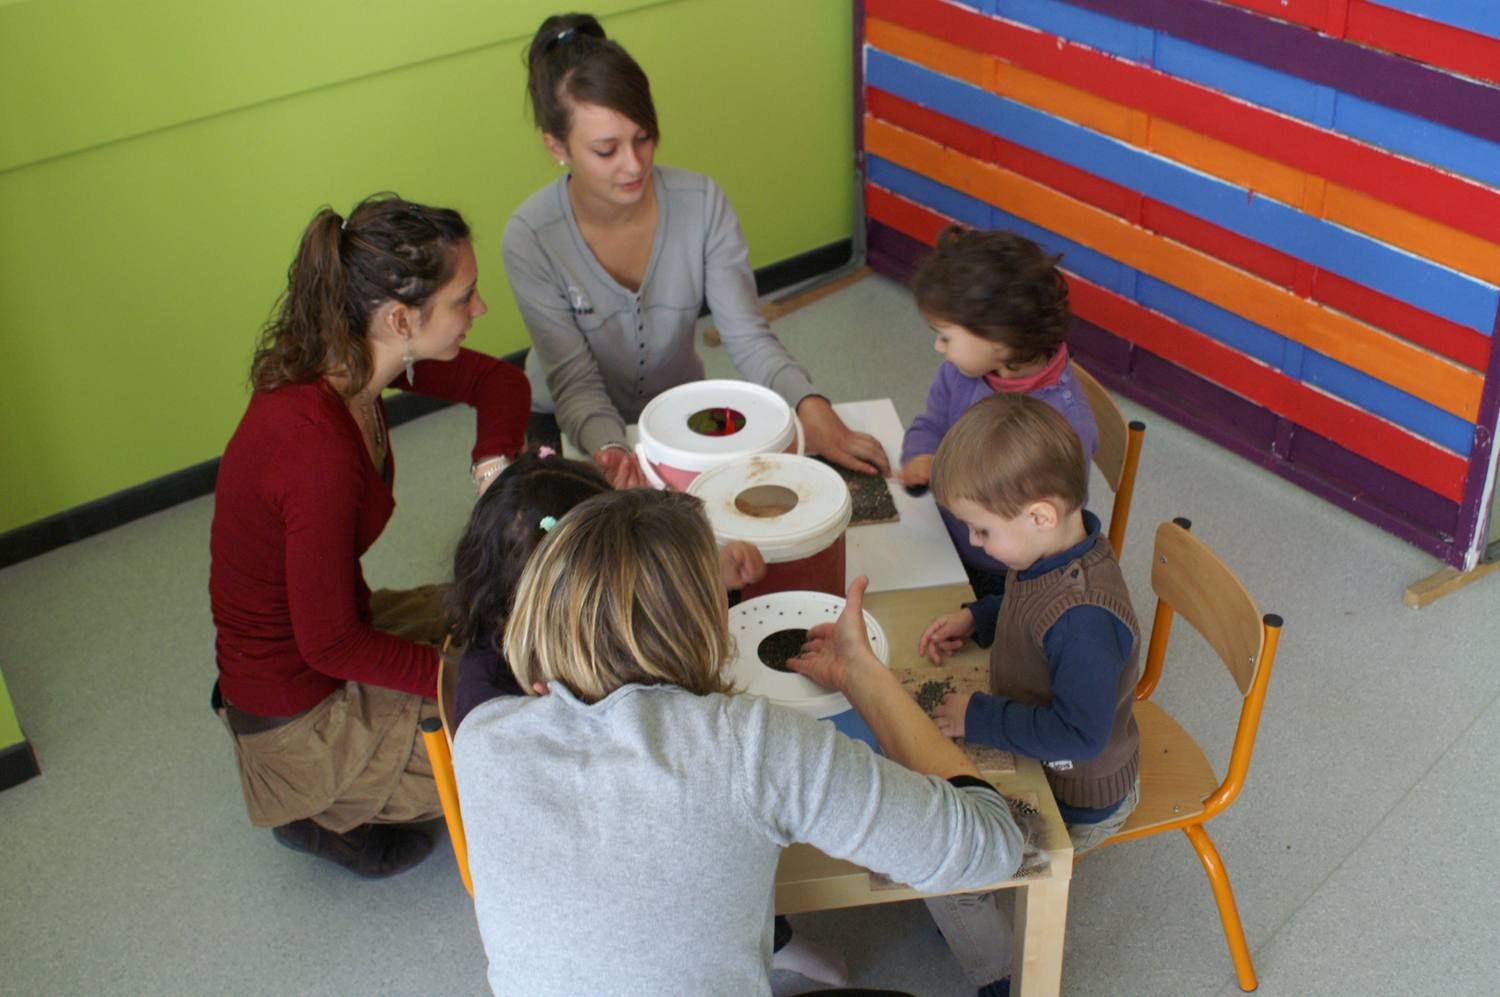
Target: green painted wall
{"type": "Point", "coordinates": [10, 727]}
{"type": "Point", "coordinates": [160, 158]}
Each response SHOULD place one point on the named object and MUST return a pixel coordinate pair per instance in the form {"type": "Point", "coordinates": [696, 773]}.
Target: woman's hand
{"type": "Point", "coordinates": [740, 564]}
{"type": "Point", "coordinates": [945, 635]}
{"type": "Point", "coordinates": [827, 435]}
{"type": "Point", "coordinates": [619, 468]}
{"type": "Point", "coordinates": [916, 472]}
{"type": "Point", "coordinates": [949, 715]}
{"type": "Point", "coordinates": [836, 653]}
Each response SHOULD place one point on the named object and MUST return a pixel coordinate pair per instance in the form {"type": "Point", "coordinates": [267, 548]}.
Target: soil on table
{"type": "Point", "coordinates": [871, 495]}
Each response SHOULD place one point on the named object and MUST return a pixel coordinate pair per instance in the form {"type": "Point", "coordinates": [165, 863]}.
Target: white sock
{"type": "Point", "coordinates": [816, 962]}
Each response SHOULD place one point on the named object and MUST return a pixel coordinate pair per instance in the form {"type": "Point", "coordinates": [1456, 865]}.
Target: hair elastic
{"type": "Point", "coordinates": [544, 452]}
{"type": "Point", "coordinates": [547, 523]}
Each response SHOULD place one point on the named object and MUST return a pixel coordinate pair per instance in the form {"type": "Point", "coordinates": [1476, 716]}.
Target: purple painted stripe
{"type": "Point", "coordinates": [1474, 511]}
{"type": "Point", "coordinates": [1323, 475]}
{"type": "Point", "coordinates": [1429, 93]}
{"type": "Point", "coordinates": [900, 251]}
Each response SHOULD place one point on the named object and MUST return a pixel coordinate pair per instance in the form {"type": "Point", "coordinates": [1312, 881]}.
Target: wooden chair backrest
{"type": "Point", "coordinates": [1114, 432]}
{"type": "Point", "coordinates": [1200, 588]}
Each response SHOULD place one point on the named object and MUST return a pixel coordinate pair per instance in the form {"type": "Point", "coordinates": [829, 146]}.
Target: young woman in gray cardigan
{"type": "Point", "coordinates": [611, 263]}
{"type": "Point", "coordinates": [625, 820]}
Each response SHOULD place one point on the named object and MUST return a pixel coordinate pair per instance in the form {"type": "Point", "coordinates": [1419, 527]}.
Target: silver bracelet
{"type": "Point", "coordinates": [481, 478]}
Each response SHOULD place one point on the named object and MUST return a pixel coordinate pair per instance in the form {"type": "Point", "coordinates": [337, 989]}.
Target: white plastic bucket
{"type": "Point", "coordinates": [795, 510]}
{"type": "Point", "coordinates": [752, 622]}
{"type": "Point", "coordinates": [694, 427]}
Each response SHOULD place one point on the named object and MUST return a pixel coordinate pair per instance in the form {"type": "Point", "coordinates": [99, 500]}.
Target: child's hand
{"type": "Point", "coordinates": [619, 468]}
{"type": "Point", "coordinates": [916, 472]}
{"type": "Point", "coordinates": [949, 715]}
{"type": "Point", "coordinates": [945, 635]}
{"type": "Point", "coordinates": [740, 564]}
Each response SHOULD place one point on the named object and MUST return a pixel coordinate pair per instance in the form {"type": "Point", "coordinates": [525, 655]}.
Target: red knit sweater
{"type": "Point", "coordinates": [298, 502]}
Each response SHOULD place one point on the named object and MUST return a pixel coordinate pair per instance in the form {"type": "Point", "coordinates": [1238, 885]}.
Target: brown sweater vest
{"type": "Point", "coordinates": [1019, 668]}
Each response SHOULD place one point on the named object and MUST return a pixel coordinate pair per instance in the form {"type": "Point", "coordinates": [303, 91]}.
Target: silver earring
{"type": "Point", "coordinates": [411, 377]}
{"type": "Point", "coordinates": [563, 163]}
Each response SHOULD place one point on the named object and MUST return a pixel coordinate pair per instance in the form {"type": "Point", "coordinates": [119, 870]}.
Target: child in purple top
{"type": "Point", "coordinates": [999, 307]}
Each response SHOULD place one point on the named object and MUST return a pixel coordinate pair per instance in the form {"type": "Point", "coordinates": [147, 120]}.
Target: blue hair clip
{"type": "Point", "coordinates": [547, 523]}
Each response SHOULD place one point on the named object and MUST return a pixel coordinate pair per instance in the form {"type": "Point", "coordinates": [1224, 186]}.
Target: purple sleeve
{"type": "Point", "coordinates": [1068, 398]}
{"type": "Point", "coordinates": [483, 675]}
{"type": "Point", "coordinates": [927, 429]}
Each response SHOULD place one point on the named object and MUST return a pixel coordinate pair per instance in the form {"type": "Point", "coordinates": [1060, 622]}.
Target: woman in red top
{"type": "Point", "coordinates": [323, 683]}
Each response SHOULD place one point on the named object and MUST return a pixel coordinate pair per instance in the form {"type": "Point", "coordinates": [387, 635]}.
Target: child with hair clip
{"type": "Point", "coordinates": [626, 817]}
{"type": "Point", "coordinates": [508, 521]}
{"type": "Point", "coordinates": [999, 307]}
{"type": "Point", "coordinates": [1064, 640]}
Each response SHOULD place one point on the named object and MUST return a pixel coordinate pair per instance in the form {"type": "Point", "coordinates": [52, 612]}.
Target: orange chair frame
{"type": "Point", "coordinates": [437, 734]}
{"type": "Point", "coordinates": [1179, 790]}
{"type": "Point", "coordinates": [1119, 453]}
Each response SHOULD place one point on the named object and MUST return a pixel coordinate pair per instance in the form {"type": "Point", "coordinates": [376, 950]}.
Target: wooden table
{"type": "Point", "coordinates": [808, 880]}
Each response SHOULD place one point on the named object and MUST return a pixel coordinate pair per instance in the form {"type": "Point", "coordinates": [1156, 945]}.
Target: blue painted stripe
{"type": "Point", "coordinates": [1479, 16]}
{"type": "Point", "coordinates": [1402, 275]}
{"type": "Point", "coordinates": [1269, 347]}
{"type": "Point", "coordinates": [1453, 150]}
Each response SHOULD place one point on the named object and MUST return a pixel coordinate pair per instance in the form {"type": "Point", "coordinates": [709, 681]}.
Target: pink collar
{"type": "Point", "coordinates": [1044, 378]}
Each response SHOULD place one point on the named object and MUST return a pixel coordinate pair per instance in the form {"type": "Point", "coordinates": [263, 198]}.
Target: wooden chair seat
{"type": "Point", "coordinates": [1176, 776]}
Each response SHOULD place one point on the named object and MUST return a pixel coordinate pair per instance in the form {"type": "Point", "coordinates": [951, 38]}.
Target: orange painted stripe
{"type": "Point", "coordinates": [1395, 226]}
{"type": "Point", "coordinates": [1424, 375]}
{"type": "Point", "coordinates": [955, 61]}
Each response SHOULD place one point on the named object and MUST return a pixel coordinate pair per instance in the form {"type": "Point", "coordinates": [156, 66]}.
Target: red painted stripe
{"type": "Point", "coordinates": [1373, 438]}
{"type": "Point", "coordinates": [1398, 318]}
{"type": "Point", "coordinates": [1426, 41]}
{"type": "Point", "coordinates": [1327, 16]}
{"type": "Point", "coordinates": [1395, 31]}
{"type": "Point", "coordinates": [1416, 187]}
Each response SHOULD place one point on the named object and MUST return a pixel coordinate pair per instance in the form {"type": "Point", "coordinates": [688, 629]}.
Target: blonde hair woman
{"type": "Point", "coordinates": [626, 820]}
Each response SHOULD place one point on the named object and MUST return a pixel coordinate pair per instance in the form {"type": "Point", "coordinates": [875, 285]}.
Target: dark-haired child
{"type": "Point", "coordinates": [1064, 641]}
{"type": "Point", "coordinates": [999, 307]}
{"type": "Point", "coordinates": [507, 523]}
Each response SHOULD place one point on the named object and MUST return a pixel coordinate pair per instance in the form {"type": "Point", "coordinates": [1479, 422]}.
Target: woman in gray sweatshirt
{"type": "Point", "coordinates": [611, 263]}
{"type": "Point", "coordinates": [626, 818]}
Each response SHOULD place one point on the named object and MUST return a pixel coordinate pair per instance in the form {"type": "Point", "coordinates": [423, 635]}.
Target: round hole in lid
{"type": "Point", "coordinates": [766, 501]}
{"type": "Point", "coordinates": [780, 647]}
{"type": "Point", "coordinates": [718, 421]}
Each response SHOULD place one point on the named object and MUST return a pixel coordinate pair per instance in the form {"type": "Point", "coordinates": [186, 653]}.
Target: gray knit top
{"type": "Point", "coordinates": [601, 351]}
{"type": "Point", "coordinates": [630, 846]}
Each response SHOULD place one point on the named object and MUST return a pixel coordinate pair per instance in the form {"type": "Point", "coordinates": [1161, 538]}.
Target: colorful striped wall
{"type": "Point", "coordinates": [1280, 218]}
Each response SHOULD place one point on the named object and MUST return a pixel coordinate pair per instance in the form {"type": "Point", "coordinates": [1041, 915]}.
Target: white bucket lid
{"type": "Point", "coordinates": [822, 510]}
{"type": "Point", "coordinates": [668, 440]}
{"type": "Point", "coordinates": [754, 620]}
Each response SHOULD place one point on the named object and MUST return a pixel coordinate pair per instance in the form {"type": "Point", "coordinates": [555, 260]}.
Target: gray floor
{"type": "Point", "coordinates": [1362, 849]}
